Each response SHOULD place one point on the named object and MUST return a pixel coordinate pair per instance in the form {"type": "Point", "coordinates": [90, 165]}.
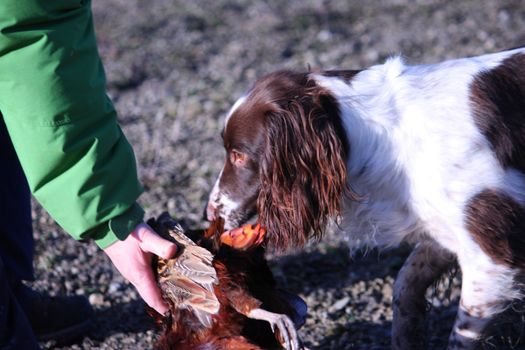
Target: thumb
{"type": "Point", "coordinates": [150, 241]}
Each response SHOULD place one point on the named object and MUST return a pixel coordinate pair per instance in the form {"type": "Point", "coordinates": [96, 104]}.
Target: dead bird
{"type": "Point", "coordinates": [221, 292]}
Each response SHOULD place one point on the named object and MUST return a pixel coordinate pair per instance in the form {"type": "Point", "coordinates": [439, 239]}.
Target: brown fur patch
{"type": "Point", "coordinates": [497, 224]}
{"type": "Point", "coordinates": [346, 75]}
{"type": "Point", "coordinates": [497, 99]}
{"type": "Point", "coordinates": [303, 170]}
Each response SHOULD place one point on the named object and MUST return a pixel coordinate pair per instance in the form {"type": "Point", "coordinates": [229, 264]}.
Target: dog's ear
{"type": "Point", "coordinates": [303, 170]}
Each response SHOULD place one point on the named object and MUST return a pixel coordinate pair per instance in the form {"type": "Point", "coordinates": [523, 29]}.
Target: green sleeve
{"type": "Point", "coordinates": [78, 163]}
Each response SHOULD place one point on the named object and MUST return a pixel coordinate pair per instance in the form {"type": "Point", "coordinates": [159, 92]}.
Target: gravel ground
{"type": "Point", "coordinates": [174, 67]}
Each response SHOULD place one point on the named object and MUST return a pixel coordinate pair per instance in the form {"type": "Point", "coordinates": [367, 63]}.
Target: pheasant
{"type": "Point", "coordinates": [221, 292]}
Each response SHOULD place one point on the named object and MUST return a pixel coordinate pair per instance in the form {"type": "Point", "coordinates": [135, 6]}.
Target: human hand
{"type": "Point", "coordinates": [132, 257]}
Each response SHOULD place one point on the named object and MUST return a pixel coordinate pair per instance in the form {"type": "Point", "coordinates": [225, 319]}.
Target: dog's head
{"type": "Point", "coordinates": [285, 159]}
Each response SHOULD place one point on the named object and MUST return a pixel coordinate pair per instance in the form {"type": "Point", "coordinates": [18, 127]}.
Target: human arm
{"type": "Point", "coordinates": [78, 162]}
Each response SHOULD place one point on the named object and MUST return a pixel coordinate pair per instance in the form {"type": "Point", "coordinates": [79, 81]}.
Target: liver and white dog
{"type": "Point", "coordinates": [431, 154]}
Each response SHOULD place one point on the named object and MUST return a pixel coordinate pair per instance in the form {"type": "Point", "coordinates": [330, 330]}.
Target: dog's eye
{"type": "Point", "coordinates": [238, 158]}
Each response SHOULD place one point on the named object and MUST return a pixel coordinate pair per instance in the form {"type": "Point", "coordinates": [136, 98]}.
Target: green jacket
{"type": "Point", "coordinates": [78, 163]}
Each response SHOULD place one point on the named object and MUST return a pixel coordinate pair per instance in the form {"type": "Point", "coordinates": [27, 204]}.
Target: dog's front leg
{"type": "Point", "coordinates": [424, 266]}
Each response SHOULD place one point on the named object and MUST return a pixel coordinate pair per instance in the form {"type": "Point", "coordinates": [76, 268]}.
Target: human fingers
{"type": "Point", "coordinates": [149, 291]}
{"type": "Point", "coordinates": [150, 241]}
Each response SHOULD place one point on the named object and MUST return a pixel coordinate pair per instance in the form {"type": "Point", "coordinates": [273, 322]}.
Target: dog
{"type": "Point", "coordinates": [433, 155]}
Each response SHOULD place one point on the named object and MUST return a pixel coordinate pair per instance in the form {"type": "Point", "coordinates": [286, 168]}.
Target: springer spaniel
{"type": "Point", "coordinates": [433, 155]}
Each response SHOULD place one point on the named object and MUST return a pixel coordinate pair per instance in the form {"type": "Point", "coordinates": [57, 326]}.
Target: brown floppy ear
{"type": "Point", "coordinates": [303, 170]}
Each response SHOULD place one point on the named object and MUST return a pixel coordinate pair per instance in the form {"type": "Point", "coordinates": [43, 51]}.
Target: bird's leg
{"type": "Point", "coordinates": [282, 323]}
{"type": "Point", "coordinates": [250, 307]}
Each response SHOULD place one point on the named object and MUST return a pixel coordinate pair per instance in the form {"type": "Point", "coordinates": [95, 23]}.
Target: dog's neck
{"type": "Point", "coordinates": [371, 109]}
{"type": "Point", "coordinates": [368, 111]}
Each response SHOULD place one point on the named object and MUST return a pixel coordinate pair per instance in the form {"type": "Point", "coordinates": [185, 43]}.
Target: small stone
{"type": "Point", "coordinates": [114, 287]}
{"type": "Point", "coordinates": [96, 299]}
{"type": "Point", "coordinates": [387, 291]}
{"type": "Point", "coordinates": [340, 304]}
{"type": "Point", "coordinates": [324, 35]}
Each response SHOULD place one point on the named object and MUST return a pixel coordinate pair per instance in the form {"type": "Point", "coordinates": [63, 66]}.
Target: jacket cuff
{"type": "Point", "coordinates": [119, 227]}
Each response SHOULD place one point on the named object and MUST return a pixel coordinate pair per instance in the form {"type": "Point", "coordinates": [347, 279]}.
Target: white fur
{"type": "Point", "coordinates": [232, 110]}
{"type": "Point", "coordinates": [220, 199]}
{"type": "Point", "coordinates": [416, 154]}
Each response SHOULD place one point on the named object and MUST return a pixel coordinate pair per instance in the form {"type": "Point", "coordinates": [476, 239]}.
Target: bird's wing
{"type": "Point", "coordinates": [186, 294]}
{"type": "Point", "coordinates": [187, 280]}
{"type": "Point", "coordinates": [195, 263]}
{"type": "Point", "coordinates": [177, 232]}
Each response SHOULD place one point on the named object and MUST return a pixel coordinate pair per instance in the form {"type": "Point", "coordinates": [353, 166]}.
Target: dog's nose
{"type": "Point", "coordinates": [209, 212]}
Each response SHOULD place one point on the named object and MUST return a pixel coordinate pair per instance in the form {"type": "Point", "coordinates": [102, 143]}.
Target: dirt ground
{"type": "Point", "coordinates": [174, 68]}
